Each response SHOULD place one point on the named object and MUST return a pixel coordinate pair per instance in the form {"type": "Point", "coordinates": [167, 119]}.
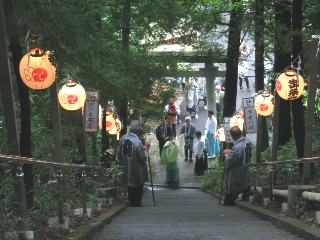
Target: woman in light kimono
{"type": "Point", "coordinates": [170, 156]}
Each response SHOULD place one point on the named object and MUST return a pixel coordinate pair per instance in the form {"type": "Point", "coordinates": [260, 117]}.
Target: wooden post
{"type": "Point", "coordinates": [312, 87]}
{"type": "Point", "coordinates": [7, 90]}
{"type": "Point", "coordinates": [211, 103]}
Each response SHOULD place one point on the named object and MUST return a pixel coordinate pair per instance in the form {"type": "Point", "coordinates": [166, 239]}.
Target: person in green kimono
{"type": "Point", "coordinates": [170, 156]}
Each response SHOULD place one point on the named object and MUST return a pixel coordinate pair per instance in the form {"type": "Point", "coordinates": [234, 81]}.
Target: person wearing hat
{"type": "Point", "coordinates": [173, 111]}
{"type": "Point", "coordinates": [212, 143]}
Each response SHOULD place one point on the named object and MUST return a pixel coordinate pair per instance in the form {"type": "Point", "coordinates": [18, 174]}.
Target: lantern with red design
{"type": "Point", "coordinates": [237, 120]}
{"type": "Point", "coordinates": [110, 120]}
{"type": "Point", "coordinates": [38, 69]}
{"type": "Point", "coordinates": [290, 85]}
{"type": "Point", "coordinates": [116, 130]}
{"type": "Point", "coordinates": [72, 95]}
{"type": "Point", "coordinates": [264, 104]}
{"type": "Point", "coordinates": [220, 134]}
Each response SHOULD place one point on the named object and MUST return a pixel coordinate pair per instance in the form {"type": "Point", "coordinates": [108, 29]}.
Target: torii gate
{"type": "Point", "coordinates": [209, 72]}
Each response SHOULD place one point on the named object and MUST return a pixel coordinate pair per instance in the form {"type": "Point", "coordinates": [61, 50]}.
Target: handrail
{"type": "Point", "coordinates": [300, 160]}
{"type": "Point", "coordinates": [273, 164]}
{"type": "Point", "coordinates": [19, 161]}
{"type": "Point", "coordinates": [22, 160]}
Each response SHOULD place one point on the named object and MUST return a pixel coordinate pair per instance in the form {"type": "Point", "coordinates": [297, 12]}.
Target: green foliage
{"type": "Point", "coordinates": [299, 205]}
{"type": "Point", "coordinates": [8, 201]}
{"type": "Point", "coordinates": [213, 179]}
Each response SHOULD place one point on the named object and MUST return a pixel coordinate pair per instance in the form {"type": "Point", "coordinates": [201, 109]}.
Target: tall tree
{"type": "Point", "coordinates": [282, 49]}
{"type": "Point", "coordinates": [259, 33]}
{"type": "Point", "coordinates": [297, 105]}
{"type": "Point", "coordinates": [232, 59]}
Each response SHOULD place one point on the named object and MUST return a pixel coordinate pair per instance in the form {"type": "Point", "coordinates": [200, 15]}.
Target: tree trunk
{"type": "Point", "coordinates": [25, 136]}
{"type": "Point", "coordinates": [283, 61]}
{"type": "Point", "coordinates": [232, 63]}
{"type": "Point", "coordinates": [123, 103]}
{"type": "Point", "coordinates": [259, 69]}
{"type": "Point", "coordinates": [297, 105]}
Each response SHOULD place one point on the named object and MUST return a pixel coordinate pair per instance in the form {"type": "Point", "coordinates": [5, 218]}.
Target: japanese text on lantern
{"type": "Point", "coordinates": [293, 86]}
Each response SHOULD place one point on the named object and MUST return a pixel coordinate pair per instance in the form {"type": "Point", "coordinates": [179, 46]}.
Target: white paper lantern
{"type": "Point", "coordinates": [72, 96]}
{"type": "Point", "coordinates": [221, 135]}
{"type": "Point", "coordinates": [237, 121]}
{"type": "Point", "coordinates": [38, 69]}
{"type": "Point", "coordinates": [289, 86]}
{"type": "Point", "coordinates": [264, 104]}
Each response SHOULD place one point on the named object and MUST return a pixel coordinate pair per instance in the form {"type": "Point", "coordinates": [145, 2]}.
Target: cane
{"type": "Point", "coordinates": [154, 201]}
{"type": "Point", "coordinates": [224, 170]}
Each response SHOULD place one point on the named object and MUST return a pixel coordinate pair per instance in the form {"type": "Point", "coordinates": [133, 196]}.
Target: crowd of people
{"type": "Point", "coordinates": [132, 153]}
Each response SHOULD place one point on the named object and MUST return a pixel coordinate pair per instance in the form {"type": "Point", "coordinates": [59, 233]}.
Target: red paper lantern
{"type": "Point", "coordinates": [72, 96]}
{"type": "Point", "coordinates": [289, 85]}
{"type": "Point", "coordinates": [38, 69]}
{"type": "Point", "coordinates": [264, 104]}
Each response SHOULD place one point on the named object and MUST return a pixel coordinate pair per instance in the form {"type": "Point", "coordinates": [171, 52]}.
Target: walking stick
{"type": "Point", "coordinates": [224, 170]}
{"type": "Point", "coordinates": [154, 201]}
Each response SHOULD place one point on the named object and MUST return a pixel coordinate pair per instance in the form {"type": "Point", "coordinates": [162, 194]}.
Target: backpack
{"type": "Point", "coordinates": [172, 114]}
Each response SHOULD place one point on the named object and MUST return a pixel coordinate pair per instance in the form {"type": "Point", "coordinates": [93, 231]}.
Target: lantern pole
{"type": "Point", "coordinates": [312, 86]}
{"type": "Point", "coordinates": [275, 134]}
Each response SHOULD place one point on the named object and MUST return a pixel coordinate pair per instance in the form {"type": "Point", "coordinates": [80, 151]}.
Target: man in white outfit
{"type": "Point", "coordinates": [243, 74]}
{"type": "Point", "coordinates": [192, 98]}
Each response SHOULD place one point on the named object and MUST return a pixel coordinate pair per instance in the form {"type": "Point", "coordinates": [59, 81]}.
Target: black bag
{"type": "Point", "coordinates": [78, 158]}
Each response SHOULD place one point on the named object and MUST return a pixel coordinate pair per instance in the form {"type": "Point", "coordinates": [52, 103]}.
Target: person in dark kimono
{"type": "Point", "coordinates": [132, 156]}
{"type": "Point", "coordinates": [163, 132]}
{"type": "Point", "coordinates": [237, 162]}
{"type": "Point", "coordinates": [201, 163]}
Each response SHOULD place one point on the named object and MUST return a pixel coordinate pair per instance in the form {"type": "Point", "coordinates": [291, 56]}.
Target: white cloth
{"type": "Point", "coordinates": [199, 147]}
{"type": "Point", "coordinates": [243, 68]}
{"type": "Point", "coordinates": [211, 125]}
{"type": "Point", "coordinates": [192, 95]}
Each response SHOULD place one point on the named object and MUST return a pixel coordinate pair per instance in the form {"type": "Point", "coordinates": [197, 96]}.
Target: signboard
{"type": "Point", "coordinates": [250, 120]}
{"type": "Point", "coordinates": [227, 127]}
{"type": "Point", "coordinates": [91, 112]}
{"type": "Point", "coordinates": [247, 102]}
{"type": "Point", "coordinates": [250, 115]}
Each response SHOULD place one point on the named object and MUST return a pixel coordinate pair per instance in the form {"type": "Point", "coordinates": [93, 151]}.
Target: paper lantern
{"type": "Point", "coordinates": [116, 129]}
{"type": "Point", "coordinates": [289, 85]}
{"type": "Point", "coordinates": [264, 104]}
{"type": "Point", "coordinates": [38, 69]}
{"type": "Point", "coordinates": [110, 122]}
{"type": "Point", "coordinates": [237, 121]}
{"type": "Point", "coordinates": [220, 134]}
{"type": "Point", "coordinates": [72, 96]}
